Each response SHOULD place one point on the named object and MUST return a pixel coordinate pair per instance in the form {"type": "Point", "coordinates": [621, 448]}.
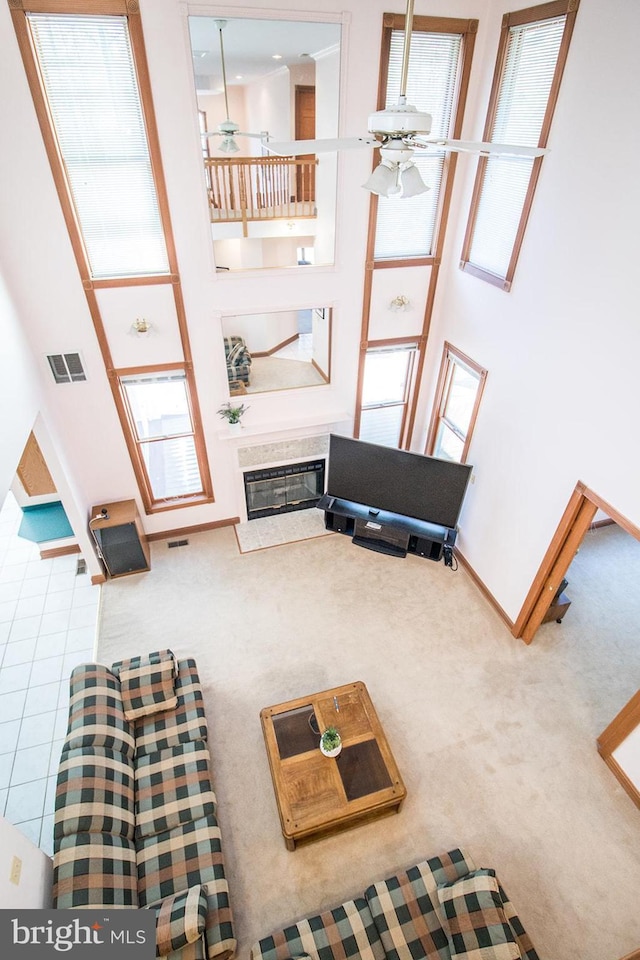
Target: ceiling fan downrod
{"type": "Point", "coordinates": [408, 28]}
{"type": "Point", "coordinates": [221, 24]}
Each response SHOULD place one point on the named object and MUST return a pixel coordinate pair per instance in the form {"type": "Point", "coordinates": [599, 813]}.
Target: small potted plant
{"type": "Point", "coordinates": [330, 742]}
{"type": "Point", "coordinates": [232, 414]}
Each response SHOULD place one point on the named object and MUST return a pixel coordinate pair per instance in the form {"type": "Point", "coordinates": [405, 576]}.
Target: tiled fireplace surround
{"type": "Point", "coordinates": [276, 454]}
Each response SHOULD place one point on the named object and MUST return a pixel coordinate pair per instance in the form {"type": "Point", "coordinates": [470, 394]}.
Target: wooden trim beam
{"type": "Point", "coordinates": [189, 531]}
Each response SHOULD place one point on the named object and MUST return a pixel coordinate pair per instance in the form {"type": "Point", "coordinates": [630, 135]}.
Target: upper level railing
{"type": "Point", "coordinates": [260, 188]}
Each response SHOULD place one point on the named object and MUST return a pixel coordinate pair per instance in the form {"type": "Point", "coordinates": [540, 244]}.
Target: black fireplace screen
{"type": "Point", "coordinates": [297, 486]}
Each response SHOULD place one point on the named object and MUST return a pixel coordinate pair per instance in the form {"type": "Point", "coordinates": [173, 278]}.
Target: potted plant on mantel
{"type": "Point", "coordinates": [330, 742]}
{"type": "Point", "coordinates": [233, 415]}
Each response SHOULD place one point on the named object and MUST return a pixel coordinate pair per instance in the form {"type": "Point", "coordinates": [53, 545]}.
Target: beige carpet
{"type": "Point", "coordinates": [274, 373]}
{"type": "Point", "coordinates": [495, 740]}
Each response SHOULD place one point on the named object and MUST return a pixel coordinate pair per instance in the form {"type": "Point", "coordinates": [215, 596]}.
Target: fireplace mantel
{"type": "Point", "coordinates": [340, 421]}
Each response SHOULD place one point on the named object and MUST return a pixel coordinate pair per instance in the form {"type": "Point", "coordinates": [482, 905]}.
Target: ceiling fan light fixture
{"type": "Point", "coordinates": [412, 182]}
{"type": "Point", "coordinates": [383, 179]}
{"type": "Point", "coordinates": [228, 145]}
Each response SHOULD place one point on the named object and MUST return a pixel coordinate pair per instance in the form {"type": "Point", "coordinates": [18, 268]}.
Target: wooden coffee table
{"type": "Point", "coordinates": [317, 795]}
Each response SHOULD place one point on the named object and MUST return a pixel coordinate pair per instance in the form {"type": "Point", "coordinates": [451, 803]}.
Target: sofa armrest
{"type": "Point", "coordinates": [192, 917]}
{"type": "Point", "coordinates": [220, 940]}
{"type": "Point", "coordinates": [180, 919]}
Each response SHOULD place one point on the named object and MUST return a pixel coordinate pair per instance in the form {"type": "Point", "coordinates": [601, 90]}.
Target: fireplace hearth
{"type": "Point", "coordinates": [275, 490]}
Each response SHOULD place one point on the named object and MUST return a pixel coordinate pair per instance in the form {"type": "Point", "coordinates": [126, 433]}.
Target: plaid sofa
{"type": "Point", "coordinates": [238, 359]}
{"type": "Point", "coordinates": [135, 814]}
{"type": "Point", "coordinates": [440, 909]}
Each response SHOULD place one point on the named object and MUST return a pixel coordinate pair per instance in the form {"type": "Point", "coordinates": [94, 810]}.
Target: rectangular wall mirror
{"type": "Point", "coordinates": [283, 350]}
{"type": "Point", "coordinates": [282, 78]}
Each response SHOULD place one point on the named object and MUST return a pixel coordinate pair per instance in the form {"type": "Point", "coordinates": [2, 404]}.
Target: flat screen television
{"type": "Point", "coordinates": [397, 481]}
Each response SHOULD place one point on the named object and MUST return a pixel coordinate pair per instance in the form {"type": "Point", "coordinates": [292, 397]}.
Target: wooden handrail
{"type": "Point", "coordinates": [243, 189]}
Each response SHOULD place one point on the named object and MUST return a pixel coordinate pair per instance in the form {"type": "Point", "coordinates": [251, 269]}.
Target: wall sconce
{"type": "Point", "coordinates": [140, 327]}
{"type": "Point", "coordinates": [399, 303]}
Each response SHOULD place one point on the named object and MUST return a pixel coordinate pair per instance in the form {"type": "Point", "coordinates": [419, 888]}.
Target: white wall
{"type": "Point", "coordinates": [561, 348]}
{"type": "Point", "coordinates": [19, 391]}
{"type": "Point", "coordinates": [627, 755]}
{"type": "Point", "coordinates": [34, 888]}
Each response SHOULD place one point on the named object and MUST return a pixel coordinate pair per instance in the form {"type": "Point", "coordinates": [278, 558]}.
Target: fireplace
{"type": "Point", "coordinates": [275, 490]}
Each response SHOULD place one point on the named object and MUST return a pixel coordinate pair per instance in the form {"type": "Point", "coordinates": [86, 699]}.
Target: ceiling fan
{"type": "Point", "coordinates": [228, 129]}
{"type": "Point", "coordinates": [399, 131]}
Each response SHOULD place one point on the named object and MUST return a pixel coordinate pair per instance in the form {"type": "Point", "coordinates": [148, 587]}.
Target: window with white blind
{"type": "Point", "coordinates": [89, 79]}
{"type": "Point", "coordinates": [161, 423]}
{"type": "Point", "coordinates": [458, 393]}
{"type": "Point", "coordinates": [385, 389]}
{"type": "Point", "coordinates": [532, 53]}
{"type": "Point", "coordinates": [405, 226]}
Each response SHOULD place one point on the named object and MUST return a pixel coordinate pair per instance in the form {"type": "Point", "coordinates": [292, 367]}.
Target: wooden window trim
{"type": "Point", "coordinates": [545, 11]}
{"type": "Point", "coordinates": [409, 384]}
{"type": "Point", "coordinates": [130, 9]}
{"type": "Point", "coordinates": [421, 24]}
{"type": "Point", "coordinates": [451, 355]}
{"type": "Point", "coordinates": [134, 445]}
{"type": "Point", "coordinates": [468, 28]}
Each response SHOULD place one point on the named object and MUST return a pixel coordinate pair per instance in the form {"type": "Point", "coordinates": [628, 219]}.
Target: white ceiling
{"type": "Point", "coordinates": [249, 46]}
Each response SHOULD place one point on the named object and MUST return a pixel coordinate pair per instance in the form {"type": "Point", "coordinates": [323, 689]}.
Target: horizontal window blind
{"type": "Point", "coordinates": [405, 226]}
{"type": "Point", "coordinates": [525, 87]}
{"type": "Point", "coordinates": [162, 428]}
{"type": "Point", "coordinates": [91, 87]}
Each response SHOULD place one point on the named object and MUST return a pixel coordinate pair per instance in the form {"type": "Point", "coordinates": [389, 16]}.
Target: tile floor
{"type": "Point", "coordinates": [48, 622]}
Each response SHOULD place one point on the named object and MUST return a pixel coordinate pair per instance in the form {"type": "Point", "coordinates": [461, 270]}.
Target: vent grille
{"type": "Point", "coordinates": [81, 567]}
{"type": "Point", "coordinates": [177, 543]}
{"type": "Point", "coordinates": [66, 367]}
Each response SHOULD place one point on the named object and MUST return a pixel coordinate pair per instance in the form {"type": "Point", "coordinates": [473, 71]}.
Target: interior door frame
{"type": "Point", "coordinates": [575, 523]}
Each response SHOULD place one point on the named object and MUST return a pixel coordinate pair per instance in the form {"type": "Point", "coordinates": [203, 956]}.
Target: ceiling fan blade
{"type": "Point", "coordinates": [484, 148]}
{"type": "Point", "coordinates": [297, 147]}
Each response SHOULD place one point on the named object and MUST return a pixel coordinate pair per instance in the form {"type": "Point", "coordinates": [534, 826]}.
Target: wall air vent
{"type": "Point", "coordinates": [66, 367]}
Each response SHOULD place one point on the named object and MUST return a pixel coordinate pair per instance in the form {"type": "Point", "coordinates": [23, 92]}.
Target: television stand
{"type": "Point", "coordinates": [391, 533]}
{"type": "Point", "coordinates": [380, 537]}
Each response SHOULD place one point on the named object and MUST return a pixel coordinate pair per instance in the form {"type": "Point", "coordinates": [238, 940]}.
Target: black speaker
{"type": "Point", "coordinates": [121, 549]}
{"type": "Point", "coordinates": [431, 549]}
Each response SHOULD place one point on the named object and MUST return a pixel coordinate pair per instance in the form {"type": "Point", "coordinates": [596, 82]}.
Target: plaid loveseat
{"type": "Point", "coordinates": [135, 814]}
{"type": "Point", "coordinates": [440, 909]}
{"type": "Point", "coordinates": [238, 359]}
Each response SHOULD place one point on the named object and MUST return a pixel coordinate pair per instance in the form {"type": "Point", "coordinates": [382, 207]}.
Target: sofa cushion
{"type": "Point", "coordinates": [172, 787]}
{"type": "Point", "coordinates": [179, 858]}
{"type": "Point", "coordinates": [405, 907]}
{"type": "Point", "coordinates": [95, 870]}
{"type": "Point", "coordinates": [96, 713]}
{"type": "Point", "coordinates": [338, 934]}
{"type": "Point", "coordinates": [186, 723]}
{"type": "Point", "coordinates": [474, 918]}
{"type": "Point", "coordinates": [188, 855]}
{"type": "Point", "coordinates": [180, 920]}
{"type": "Point", "coordinates": [94, 793]}
{"type": "Point", "coordinates": [147, 683]}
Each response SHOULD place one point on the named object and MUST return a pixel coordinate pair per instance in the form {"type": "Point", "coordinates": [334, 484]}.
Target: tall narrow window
{"type": "Point", "coordinates": [387, 378]}
{"type": "Point", "coordinates": [89, 79]}
{"type": "Point", "coordinates": [458, 395]}
{"type": "Point", "coordinates": [405, 227]}
{"type": "Point", "coordinates": [161, 423]}
{"type": "Point", "coordinates": [530, 63]}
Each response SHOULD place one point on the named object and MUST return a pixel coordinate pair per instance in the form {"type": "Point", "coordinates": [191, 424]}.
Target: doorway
{"type": "Point", "coordinates": [575, 523]}
{"type": "Point", "coordinates": [305, 129]}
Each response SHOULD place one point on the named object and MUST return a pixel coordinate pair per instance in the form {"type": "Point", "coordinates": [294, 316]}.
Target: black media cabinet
{"type": "Point", "coordinates": [385, 532]}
